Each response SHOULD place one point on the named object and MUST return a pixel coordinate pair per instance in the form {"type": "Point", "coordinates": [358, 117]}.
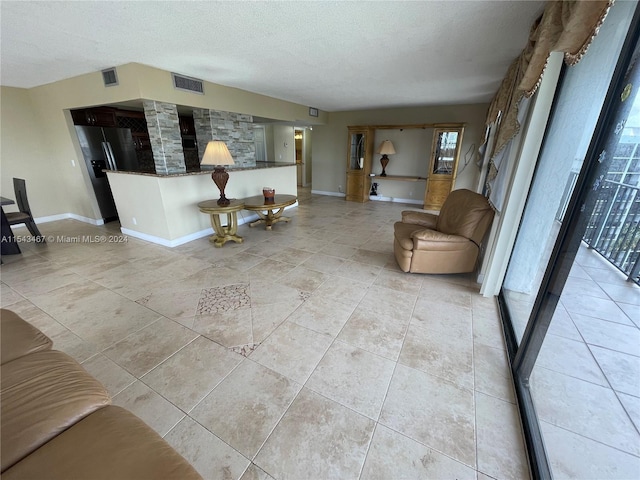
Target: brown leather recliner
{"type": "Point", "coordinates": [444, 243]}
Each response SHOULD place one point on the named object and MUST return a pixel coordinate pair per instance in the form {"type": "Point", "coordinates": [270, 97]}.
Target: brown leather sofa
{"type": "Point", "coordinates": [57, 421]}
{"type": "Point", "coordinates": [444, 243]}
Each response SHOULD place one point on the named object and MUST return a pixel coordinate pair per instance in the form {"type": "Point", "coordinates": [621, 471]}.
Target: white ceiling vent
{"type": "Point", "coordinates": [180, 82]}
{"type": "Point", "coordinates": [110, 77]}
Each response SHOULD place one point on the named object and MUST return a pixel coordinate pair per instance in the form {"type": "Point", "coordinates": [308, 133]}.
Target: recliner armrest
{"type": "Point", "coordinates": [424, 219]}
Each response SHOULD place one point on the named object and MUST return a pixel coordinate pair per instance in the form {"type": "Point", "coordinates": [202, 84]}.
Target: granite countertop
{"type": "Point", "coordinates": [259, 165]}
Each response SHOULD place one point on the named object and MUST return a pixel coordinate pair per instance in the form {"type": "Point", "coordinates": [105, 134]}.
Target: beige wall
{"type": "Point", "coordinates": [330, 145]}
{"type": "Point", "coordinates": [284, 145]}
{"type": "Point", "coordinates": [23, 153]}
{"type": "Point", "coordinates": [39, 142]}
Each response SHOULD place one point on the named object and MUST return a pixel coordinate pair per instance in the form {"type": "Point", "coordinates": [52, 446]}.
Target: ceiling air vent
{"type": "Point", "coordinates": [188, 84]}
{"type": "Point", "coordinates": [110, 77]}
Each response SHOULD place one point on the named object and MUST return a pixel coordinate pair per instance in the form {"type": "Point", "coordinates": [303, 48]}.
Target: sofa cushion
{"type": "Point", "coordinates": [18, 337]}
{"type": "Point", "coordinates": [41, 395]}
{"type": "Point", "coordinates": [121, 447]}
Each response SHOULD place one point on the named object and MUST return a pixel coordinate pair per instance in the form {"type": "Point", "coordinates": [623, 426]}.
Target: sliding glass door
{"type": "Point", "coordinates": [575, 113]}
{"type": "Point", "coordinates": [576, 366]}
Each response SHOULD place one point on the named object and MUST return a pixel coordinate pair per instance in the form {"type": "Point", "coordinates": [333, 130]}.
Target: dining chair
{"type": "Point", "coordinates": [24, 215]}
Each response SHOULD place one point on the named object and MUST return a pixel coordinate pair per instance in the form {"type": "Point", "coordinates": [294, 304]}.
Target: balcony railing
{"type": "Point", "coordinates": [614, 228]}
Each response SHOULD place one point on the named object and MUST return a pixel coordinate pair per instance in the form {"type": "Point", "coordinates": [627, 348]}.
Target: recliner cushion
{"type": "Point", "coordinates": [111, 443]}
{"type": "Point", "coordinates": [19, 338]}
{"type": "Point", "coordinates": [41, 395]}
{"type": "Point", "coordinates": [462, 212]}
{"type": "Point", "coordinates": [438, 241]}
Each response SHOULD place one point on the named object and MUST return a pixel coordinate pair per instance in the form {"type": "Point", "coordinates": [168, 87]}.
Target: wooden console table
{"type": "Point", "coordinates": [223, 233]}
{"type": "Point", "coordinates": [257, 204]}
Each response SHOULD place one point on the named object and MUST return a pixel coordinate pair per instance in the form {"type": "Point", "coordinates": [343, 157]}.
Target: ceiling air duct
{"type": "Point", "coordinates": [110, 77]}
{"type": "Point", "coordinates": [180, 82]}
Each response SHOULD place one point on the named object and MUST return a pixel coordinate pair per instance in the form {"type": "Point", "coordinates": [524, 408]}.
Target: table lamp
{"type": "Point", "coordinates": [385, 148]}
{"type": "Point", "coordinates": [217, 154]}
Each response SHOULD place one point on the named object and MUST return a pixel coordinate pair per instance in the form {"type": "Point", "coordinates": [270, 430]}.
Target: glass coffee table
{"type": "Point", "coordinates": [269, 212]}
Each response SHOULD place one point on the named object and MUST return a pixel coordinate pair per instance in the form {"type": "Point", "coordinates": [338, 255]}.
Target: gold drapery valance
{"type": "Point", "coordinates": [565, 26]}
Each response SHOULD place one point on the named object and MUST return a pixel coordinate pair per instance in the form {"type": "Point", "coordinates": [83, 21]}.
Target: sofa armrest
{"type": "Point", "coordinates": [424, 219]}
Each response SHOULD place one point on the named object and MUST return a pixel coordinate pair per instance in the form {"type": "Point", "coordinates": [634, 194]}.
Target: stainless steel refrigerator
{"type": "Point", "coordinates": [106, 148]}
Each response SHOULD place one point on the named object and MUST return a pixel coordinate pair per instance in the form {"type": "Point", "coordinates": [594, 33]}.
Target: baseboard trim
{"type": "Point", "coordinates": [331, 194]}
{"type": "Point", "coordinates": [163, 241]}
{"type": "Point", "coordinates": [378, 198]}
{"type": "Point", "coordinates": [65, 216]}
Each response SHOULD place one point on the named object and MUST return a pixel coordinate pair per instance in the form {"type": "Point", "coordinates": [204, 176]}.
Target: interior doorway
{"type": "Point", "coordinates": [302, 142]}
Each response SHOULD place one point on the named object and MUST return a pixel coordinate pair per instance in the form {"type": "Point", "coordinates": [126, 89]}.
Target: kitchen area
{"type": "Point", "coordinates": [144, 169]}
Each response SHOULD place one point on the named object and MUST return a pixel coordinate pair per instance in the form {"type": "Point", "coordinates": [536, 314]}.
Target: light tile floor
{"type": "Point", "coordinates": [303, 353]}
{"type": "Point", "coordinates": [586, 382]}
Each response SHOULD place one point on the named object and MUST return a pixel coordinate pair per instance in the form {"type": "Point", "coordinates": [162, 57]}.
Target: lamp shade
{"type": "Point", "coordinates": [386, 148]}
{"type": "Point", "coordinates": [216, 153]}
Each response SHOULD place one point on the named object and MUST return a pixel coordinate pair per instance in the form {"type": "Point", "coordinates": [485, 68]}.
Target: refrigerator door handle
{"type": "Point", "coordinates": [112, 158]}
{"type": "Point", "coordinates": [105, 151]}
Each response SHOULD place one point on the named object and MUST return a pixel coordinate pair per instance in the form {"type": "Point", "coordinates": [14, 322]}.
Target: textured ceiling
{"type": "Point", "coordinates": [345, 55]}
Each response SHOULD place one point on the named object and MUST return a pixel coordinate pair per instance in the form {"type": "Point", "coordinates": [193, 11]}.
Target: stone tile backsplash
{"type": "Point", "coordinates": [164, 133]}
{"type": "Point", "coordinates": [235, 129]}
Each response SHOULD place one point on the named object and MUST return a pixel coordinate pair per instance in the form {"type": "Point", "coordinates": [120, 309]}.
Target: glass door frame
{"type": "Point", "coordinates": [523, 357]}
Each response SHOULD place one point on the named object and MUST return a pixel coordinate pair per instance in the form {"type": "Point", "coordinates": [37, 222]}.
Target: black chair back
{"type": "Point", "coordinates": [20, 189]}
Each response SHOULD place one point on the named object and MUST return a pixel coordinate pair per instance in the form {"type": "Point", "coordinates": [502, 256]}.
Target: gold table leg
{"type": "Point", "coordinates": [227, 232]}
{"type": "Point", "coordinates": [270, 218]}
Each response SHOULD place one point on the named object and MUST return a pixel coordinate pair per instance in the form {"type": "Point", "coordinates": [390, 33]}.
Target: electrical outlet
{"type": "Point", "coordinates": [135, 222]}
{"type": "Point", "coordinates": [73, 163]}
{"type": "Point", "coordinates": [411, 194]}
{"type": "Point", "coordinates": [340, 188]}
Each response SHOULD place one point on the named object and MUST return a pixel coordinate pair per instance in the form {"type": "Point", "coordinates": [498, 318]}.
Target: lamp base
{"type": "Point", "coordinates": [384, 161]}
{"type": "Point", "coordinates": [220, 177]}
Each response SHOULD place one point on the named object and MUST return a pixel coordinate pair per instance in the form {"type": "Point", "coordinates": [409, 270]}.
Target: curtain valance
{"type": "Point", "coordinates": [565, 26]}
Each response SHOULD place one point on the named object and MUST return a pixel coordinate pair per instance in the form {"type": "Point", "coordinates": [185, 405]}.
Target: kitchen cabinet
{"type": "Point", "coordinates": [359, 155]}
{"type": "Point", "coordinates": [189, 142]}
{"type": "Point", "coordinates": [137, 123]}
{"type": "Point", "coordinates": [95, 117]}
{"type": "Point", "coordinates": [187, 125]}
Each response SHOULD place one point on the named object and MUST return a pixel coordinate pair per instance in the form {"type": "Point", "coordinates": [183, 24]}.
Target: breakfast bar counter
{"type": "Point", "coordinates": [164, 208]}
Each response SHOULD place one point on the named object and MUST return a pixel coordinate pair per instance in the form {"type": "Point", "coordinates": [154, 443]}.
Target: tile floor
{"type": "Point", "coordinates": [303, 353]}
{"type": "Point", "coordinates": [586, 382]}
